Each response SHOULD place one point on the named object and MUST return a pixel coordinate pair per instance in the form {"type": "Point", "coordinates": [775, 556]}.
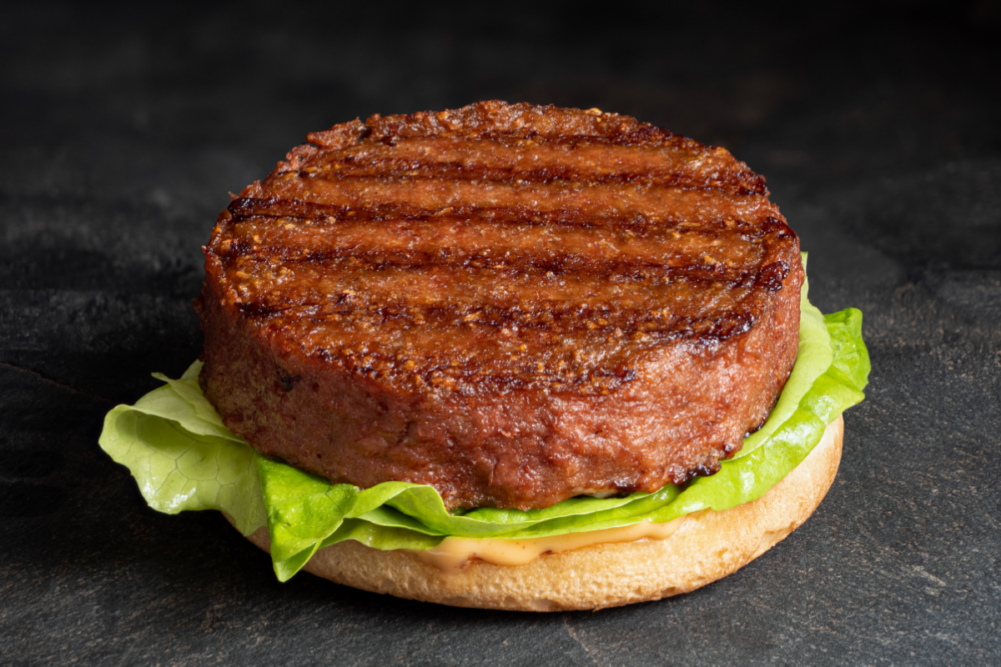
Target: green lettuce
{"type": "Point", "coordinates": [184, 458]}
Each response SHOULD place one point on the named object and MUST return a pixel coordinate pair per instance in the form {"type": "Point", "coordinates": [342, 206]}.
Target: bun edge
{"type": "Point", "coordinates": [708, 546]}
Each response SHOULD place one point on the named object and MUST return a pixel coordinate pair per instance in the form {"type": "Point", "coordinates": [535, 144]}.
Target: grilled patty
{"type": "Point", "coordinates": [514, 304]}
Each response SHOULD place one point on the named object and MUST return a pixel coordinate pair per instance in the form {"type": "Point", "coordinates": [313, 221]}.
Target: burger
{"type": "Point", "coordinates": [504, 356]}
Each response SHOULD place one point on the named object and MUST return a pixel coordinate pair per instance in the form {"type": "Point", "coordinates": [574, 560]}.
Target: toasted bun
{"type": "Point", "coordinates": [708, 546]}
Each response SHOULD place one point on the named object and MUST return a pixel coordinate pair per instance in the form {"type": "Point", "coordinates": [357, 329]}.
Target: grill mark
{"type": "Point", "coordinates": [316, 277]}
{"type": "Point", "coordinates": [772, 276]}
{"type": "Point", "coordinates": [512, 141]}
{"type": "Point", "coordinates": [580, 336]}
{"type": "Point", "coordinates": [510, 267]}
{"type": "Point", "coordinates": [287, 236]}
{"type": "Point", "coordinates": [386, 132]}
{"type": "Point", "coordinates": [513, 364]}
{"type": "Point", "coordinates": [458, 159]}
{"type": "Point", "coordinates": [244, 208]}
{"type": "Point", "coordinates": [319, 282]}
{"type": "Point", "coordinates": [647, 140]}
{"type": "Point", "coordinates": [567, 203]}
{"type": "Point", "coordinates": [548, 176]}
{"type": "Point", "coordinates": [483, 244]}
{"type": "Point", "coordinates": [555, 319]}
{"type": "Point", "coordinates": [571, 324]}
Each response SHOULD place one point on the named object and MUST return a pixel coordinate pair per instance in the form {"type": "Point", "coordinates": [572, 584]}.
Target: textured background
{"type": "Point", "coordinates": [122, 129]}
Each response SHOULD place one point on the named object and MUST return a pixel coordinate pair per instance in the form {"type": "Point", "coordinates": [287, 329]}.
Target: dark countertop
{"type": "Point", "coordinates": [124, 128]}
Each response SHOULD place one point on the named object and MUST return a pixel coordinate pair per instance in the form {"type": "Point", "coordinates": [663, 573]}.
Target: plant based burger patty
{"type": "Point", "coordinates": [514, 304]}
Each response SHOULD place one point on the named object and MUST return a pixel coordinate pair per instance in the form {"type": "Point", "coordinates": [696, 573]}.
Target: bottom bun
{"type": "Point", "coordinates": [707, 546]}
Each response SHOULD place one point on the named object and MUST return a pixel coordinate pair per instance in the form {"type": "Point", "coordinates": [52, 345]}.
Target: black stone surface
{"type": "Point", "coordinates": [123, 128]}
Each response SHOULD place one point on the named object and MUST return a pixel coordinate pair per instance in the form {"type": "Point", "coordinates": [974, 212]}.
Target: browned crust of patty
{"type": "Point", "coordinates": [514, 304]}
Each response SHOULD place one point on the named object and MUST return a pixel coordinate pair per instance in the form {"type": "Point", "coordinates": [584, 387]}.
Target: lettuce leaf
{"type": "Point", "coordinates": [181, 459]}
{"type": "Point", "coordinates": [184, 458]}
{"type": "Point", "coordinates": [814, 357]}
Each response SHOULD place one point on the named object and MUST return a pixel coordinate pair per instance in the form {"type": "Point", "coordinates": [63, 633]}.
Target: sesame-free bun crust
{"type": "Point", "coordinates": [708, 546]}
